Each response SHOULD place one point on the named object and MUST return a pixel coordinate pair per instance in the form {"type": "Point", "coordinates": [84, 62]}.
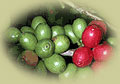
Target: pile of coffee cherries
{"type": "Point", "coordinates": [42, 47]}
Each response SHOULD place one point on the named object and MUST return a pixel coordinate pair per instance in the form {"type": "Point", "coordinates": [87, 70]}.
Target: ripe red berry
{"type": "Point", "coordinates": [99, 23]}
{"type": "Point", "coordinates": [102, 52]}
{"type": "Point", "coordinates": [82, 56]}
{"type": "Point", "coordinates": [92, 36]}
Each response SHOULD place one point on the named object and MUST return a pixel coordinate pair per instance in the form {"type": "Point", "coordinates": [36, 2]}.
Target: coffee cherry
{"type": "Point", "coordinates": [79, 26]}
{"type": "Point", "coordinates": [84, 73]}
{"type": "Point", "coordinates": [70, 34]}
{"type": "Point", "coordinates": [102, 52]}
{"type": "Point", "coordinates": [20, 60]}
{"type": "Point", "coordinates": [57, 30]}
{"type": "Point", "coordinates": [28, 41]}
{"type": "Point", "coordinates": [36, 21]}
{"type": "Point", "coordinates": [13, 35]}
{"type": "Point", "coordinates": [45, 48]}
{"type": "Point", "coordinates": [92, 36]}
{"type": "Point", "coordinates": [62, 43]}
{"type": "Point", "coordinates": [111, 41]}
{"type": "Point", "coordinates": [26, 29]}
{"type": "Point", "coordinates": [69, 73]}
{"type": "Point", "coordinates": [55, 63]}
{"type": "Point", "coordinates": [14, 51]}
{"type": "Point", "coordinates": [82, 57]}
{"type": "Point", "coordinates": [99, 23]}
{"type": "Point", "coordinates": [41, 69]}
{"type": "Point", "coordinates": [23, 64]}
{"type": "Point", "coordinates": [30, 57]}
{"type": "Point", "coordinates": [43, 31]}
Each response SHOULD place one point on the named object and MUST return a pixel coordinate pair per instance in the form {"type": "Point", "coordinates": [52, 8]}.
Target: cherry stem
{"type": "Point", "coordinates": [68, 53]}
{"type": "Point", "coordinates": [78, 43]}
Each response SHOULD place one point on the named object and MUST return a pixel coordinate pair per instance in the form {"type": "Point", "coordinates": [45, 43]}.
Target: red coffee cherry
{"type": "Point", "coordinates": [102, 52]}
{"type": "Point", "coordinates": [99, 23]}
{"type": "Point", "coordinates": [92, 36]}
{"type": "Point", "coordinates": [82, 57]}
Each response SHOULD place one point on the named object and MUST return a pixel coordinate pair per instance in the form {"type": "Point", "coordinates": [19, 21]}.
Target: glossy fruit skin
{"type": "Point", "coordinates": [84, 73]}
{"type": "Point", "coordinates": [102, 52]}
{"type": "Point", "coordinates": [36, 21]}
{"type": "Point", "coordinates": [70, 34]}
{"type": "Point", "coordinates": [79, 26]}
{"type": "Point", "coordinates": [99, 23]}
{"type": "Point", "coordinates": [57, 30]}
{"type": "Point", "coordinates": [61, 42]}
{"type": "Point", "coordinates": [92, 36]}
{"type": "Point", "coordinates": [28, 41]}
{"type": "Point", "coordinates": [26, 29]}
{"type": "Point", "coordinates": [43, 31]}
{"type": "Point", "coordinates": [111, 41]}
{"type": "Point", "coordinates": [45, 48]}
{"type": "Point", "coordinates": [41, 69]}
{"type": "Point", "coordinates": [55, 63]}
{"type": "Point", "coordinates": [82, 57]}
{"type": "Point", "coordinates": [69, 73]}
{"type": "Point", "coordinates": [30, 57]}
{"type": "Point", "coordinates": [13, 35]}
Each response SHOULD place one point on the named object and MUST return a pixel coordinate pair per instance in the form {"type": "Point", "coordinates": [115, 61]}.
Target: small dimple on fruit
{"type": "Point", "coordinates": [44, 48]}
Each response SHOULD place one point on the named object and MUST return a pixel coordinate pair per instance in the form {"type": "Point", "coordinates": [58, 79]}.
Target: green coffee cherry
{"type": "Point", "coordinates": [59, 21]}
{"type": "Point", "coordinates": [70, 34]}
{"type": "Point", "coordinates": [14, 51]}
{"type": "Point", "coordinates": [111, 41]}
{"type": "Point", "coordinates": [28, 41]}
{"type": "Point", "coordinates": [43, 31]}
{"type": "Point", "coordinates": [13, 35]}
{"type": "Point", "coordinates": [40, 68]}
{"type": "Point", "coordinates": [26, 29]}
{"type": "Point", "coordinates": [55, 63]}
{"type": "Point", "coordinates": [69, 73]}
{"type": "Point", "coordinates": [83, 73]}
{"type": "Point", "coordinates": [79, 26]}
{"type": "Point", "coordinates": [62, 43]}
{"type": "Point", "coordinates": [45, 48]}
{"type": "Point", "coordinates": [57, 30]}
{"type": "Point", "coordinates": [20, 60]}
{"type": "Point", "coordinates": [36, 21]}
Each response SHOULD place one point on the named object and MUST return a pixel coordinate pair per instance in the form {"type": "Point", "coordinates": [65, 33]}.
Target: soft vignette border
{"type": "Point", "coordinates": [10, 74]}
